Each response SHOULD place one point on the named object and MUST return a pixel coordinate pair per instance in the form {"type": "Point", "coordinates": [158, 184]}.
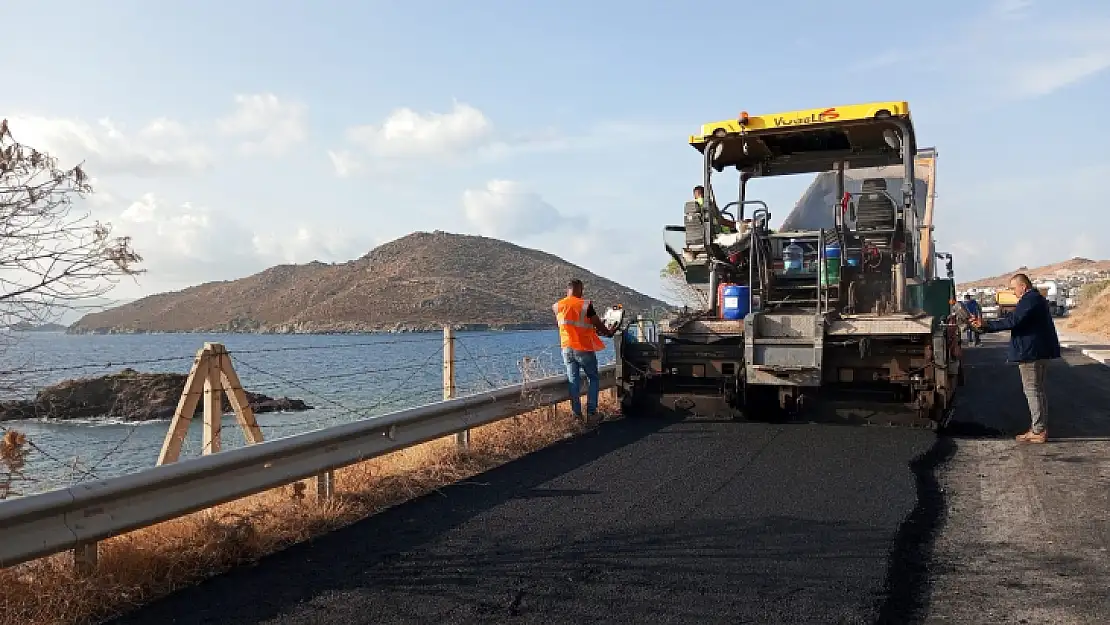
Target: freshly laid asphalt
{"type": "Point", "coordinates": [642, 521]}
{"type": "Point", "coordinates": [647, 521]}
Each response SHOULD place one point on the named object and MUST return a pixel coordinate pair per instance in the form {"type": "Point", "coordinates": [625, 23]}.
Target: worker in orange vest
{"type": "Point", "coordinates": [579, 327]}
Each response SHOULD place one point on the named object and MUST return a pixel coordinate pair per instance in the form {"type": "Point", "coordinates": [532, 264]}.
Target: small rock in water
{"type": "Point", "coordinates": [129, 395]}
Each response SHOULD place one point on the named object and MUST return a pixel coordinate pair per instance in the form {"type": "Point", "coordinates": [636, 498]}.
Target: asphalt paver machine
{"type": "Point", "coordinates": [839, 312]}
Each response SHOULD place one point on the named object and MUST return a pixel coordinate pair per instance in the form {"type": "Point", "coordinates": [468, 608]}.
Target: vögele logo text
{"type": "Point", "coordinates": [826, 115]}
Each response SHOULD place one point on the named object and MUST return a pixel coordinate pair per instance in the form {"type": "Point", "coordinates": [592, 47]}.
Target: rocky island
{"type": "Point", "coordinates": [128, 395]}
{"type": "Point", "coordinates": [420, 282]}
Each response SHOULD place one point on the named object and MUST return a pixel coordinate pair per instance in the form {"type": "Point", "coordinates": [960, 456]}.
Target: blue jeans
{"type": "Point", "coordinates": [577, 363]}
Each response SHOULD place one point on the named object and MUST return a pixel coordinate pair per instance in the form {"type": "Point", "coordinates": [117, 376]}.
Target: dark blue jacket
{"type": "Point", "coordinates": [972, 307]}
{"type": "Point", "coordinates": [1032, 333]}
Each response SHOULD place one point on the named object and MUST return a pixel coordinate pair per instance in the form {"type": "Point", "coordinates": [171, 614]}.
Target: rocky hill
{"type": "Point", "coordinates": [1093, 314]}
{"type": "Point", "coordinates": [418, 282]}
{"type": "Point", "coordinates": [1063, 268]}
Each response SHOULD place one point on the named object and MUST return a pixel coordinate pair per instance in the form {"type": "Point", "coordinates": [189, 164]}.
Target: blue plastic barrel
{"type": "Point", "coordinates": [734, 302]}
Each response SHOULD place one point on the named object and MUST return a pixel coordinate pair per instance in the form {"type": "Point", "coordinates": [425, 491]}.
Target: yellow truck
{"type": "Point", "coordinates": [1007, 300]}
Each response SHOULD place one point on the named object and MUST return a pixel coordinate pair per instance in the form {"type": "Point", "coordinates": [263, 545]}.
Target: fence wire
{"type": "Point", "coordinates": [68, 422]}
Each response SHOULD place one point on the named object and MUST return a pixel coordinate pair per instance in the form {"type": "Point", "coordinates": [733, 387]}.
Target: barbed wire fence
{"type": "Point", "coordinates": [70, 423]}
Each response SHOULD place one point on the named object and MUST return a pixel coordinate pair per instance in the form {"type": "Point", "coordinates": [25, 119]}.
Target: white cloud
{"type": "Point", "coordinates": [466, 132]}
{"type": "Point", "coordinates": [408, 133]}
{"type": "Point", "coordinates": [187, 244]}
{"type": "Point", "coordinates": [162, 147]}
{"type": "Point", "coordinates": [962, 249]}
{"type": "Point", "coordinates": [506, 209]}
{"type": "Point", "coordinates": [175, 235]}
{"type": "Point", "coordinates": [100, 197]}
{"type": "Point", "coordinates": [1010, 9]}
{"type": "Point", "coordinates": [345, 163]}
{"type": "Point", "coordinates": [1044, 77]}
{"type": "Point", "coordinates": [266, 124]}
{"type": "Point", "coordinates": [307, 244]}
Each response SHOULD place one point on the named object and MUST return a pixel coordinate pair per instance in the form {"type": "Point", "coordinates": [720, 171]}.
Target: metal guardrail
{"type": "Point", "coordinates": [75, 517]}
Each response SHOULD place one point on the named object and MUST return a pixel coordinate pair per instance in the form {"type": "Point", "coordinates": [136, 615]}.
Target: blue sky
{"type": "Point", "coordinates": [228, 137]}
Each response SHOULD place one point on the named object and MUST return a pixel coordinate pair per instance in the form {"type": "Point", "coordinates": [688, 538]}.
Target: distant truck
{"type": "Point", "coordinates": [1056, 296]}
{"type": "Point", "coordinates": [1057, 306]}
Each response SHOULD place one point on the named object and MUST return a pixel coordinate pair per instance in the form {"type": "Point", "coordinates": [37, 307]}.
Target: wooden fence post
{"type": "Point", "coordinates": [462, 439]}
{"type": "Point", "coordinates": [213, 377]}
{"type": "Point", "coordinates": [213, 408]}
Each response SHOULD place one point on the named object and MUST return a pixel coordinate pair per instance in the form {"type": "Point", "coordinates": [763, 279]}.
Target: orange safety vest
{"type": "Point", "coordinates": [575, 331]}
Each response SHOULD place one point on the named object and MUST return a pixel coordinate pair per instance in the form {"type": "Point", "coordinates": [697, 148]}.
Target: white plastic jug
{"type": "Point", "coordinates": [792, 257]}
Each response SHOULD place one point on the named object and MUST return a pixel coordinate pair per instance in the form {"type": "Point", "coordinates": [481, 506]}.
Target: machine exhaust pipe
{"type": "Point", "coordinates": [900, 287]}
{"type": "Point", "coordinates": [714, 283]}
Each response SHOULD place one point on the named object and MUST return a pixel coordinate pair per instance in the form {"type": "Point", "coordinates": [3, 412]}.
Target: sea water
{"type": "Point", "coordinates": [344, 377]}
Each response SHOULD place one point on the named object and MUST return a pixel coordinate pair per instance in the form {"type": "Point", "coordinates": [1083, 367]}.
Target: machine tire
{"type": "Point", "coordinates": [761, 404]}
{"type": "Point", "coordinates": [939, 413]}
{"type": "Point", "coordinates": [632, 405]}
{"type": "Point", "coordinates": [628, 406]}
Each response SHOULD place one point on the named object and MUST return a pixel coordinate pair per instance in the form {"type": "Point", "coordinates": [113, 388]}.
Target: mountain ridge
{"type": "Point", "coordinates": [1051, 270]}
{"type": "Point", "coordinates": [419, 282]}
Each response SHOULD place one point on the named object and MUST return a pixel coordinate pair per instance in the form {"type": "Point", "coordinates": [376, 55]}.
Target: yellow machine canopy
{"type": "Point", "coordinates": [809, 141]}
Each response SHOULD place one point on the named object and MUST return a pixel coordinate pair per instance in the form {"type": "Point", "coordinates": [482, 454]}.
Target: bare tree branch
{"type": "Point", "coordinates": [52, 257]}
{"type": "Point", "coordinates": [676, 289]}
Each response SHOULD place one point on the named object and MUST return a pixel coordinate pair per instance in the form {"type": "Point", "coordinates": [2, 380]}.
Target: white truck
{"type": "Point", "coordinates": [1057, 301]}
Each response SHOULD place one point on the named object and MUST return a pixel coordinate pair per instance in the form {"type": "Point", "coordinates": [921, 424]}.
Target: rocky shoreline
{"type": "Point", "coordinates": [128, 395]}
{"type": "Point", "coordinates": [313, 329]}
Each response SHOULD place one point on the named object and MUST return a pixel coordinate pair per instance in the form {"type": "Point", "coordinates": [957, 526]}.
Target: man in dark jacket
{"type": "Point", "coordinates": [1033, 342]}
{"type": "Point", "coordinates": [973, 309]}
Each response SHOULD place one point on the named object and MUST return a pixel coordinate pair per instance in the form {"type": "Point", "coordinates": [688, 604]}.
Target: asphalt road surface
{"type": "Point", "coordinates": [655, 522]}
{"type": "Point", "coordinates": [640, 522]}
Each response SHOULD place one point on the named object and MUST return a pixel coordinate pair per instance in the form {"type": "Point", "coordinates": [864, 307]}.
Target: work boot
{"type": "Point", "coordinates": [1031, 437]}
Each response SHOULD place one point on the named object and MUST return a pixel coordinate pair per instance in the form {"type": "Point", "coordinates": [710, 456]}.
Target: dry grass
{"type": "Point", "coordinates": [1093, 314]}
{"type": "Point", "coordinates": [145, 564]}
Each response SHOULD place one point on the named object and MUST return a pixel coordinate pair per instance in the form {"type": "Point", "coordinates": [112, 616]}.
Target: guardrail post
{"type": "Point", "coordinates": [325, 485]}
{"type": "Point", "coordinates": [462, 439]}
{"type": "Point", "coordinates": [84, 558]}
